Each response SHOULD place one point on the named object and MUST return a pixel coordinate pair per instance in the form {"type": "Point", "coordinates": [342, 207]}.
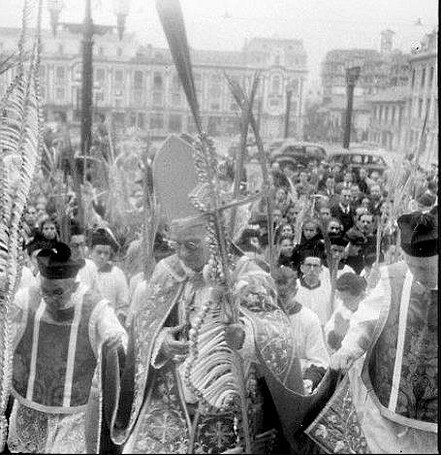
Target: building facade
{"type": "Point", "coordinates": [138, 86]}
{"type": "Point", "coordinates": [388, 119]}
{"type": "Point", "coordinates": [422, 103]}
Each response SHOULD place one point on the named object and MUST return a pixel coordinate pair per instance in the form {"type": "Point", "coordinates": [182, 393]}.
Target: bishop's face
{"type": "Point", "coordinates": [192, 249]}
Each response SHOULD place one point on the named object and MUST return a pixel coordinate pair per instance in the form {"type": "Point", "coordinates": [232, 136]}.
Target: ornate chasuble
{"type": "Point", "coordinates": [403, 363]}
{"type": "Point", "coordinates": [54, 362]}
{"type": "Point", "coordinates": [154, 415]}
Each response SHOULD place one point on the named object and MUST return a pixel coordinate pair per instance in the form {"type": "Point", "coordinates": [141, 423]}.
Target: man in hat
{"type": "Point", "coordinates": [394, 387]}
{"type": "Point", "coordinates": [112, 282]}
{"type": "Point", "coordinates": [59, 329]}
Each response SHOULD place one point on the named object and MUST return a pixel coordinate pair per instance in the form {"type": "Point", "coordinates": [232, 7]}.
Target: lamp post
{"type": "Point", "coordinates": [288, 109]}
{"type": "Point", "coordinates": [54, 7]}
{"type": "Point", "coordinates": [88, 29]}
{"type": "Point", "coordinates": [352, 75]}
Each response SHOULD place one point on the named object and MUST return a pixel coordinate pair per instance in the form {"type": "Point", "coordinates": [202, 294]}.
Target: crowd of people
{"type": "Point", "coordinates": [99, 346]}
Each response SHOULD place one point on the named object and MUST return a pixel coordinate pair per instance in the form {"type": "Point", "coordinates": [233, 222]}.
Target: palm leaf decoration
{"type": "Point", "coordinates": [208, 200]}
{"type": "Point", "coordinates": [20, 140]}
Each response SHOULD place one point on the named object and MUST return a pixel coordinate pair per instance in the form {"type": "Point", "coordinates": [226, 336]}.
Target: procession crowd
{"type": "Point", "coordinates": [333, 235]}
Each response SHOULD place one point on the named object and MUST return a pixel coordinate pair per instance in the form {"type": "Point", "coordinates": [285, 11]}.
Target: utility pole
{"type": "Point", "coordinates": [288, 111]}
{"type": "Point", "coordinates": [87, 86]}
{"type": "Point", "coordinates": [352, 75]}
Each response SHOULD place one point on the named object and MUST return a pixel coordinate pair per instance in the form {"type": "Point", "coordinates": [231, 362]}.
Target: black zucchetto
{"type": "Point", "coordinates": [56, 263]}
{"type": "Point", "coordinates": [419, 234]}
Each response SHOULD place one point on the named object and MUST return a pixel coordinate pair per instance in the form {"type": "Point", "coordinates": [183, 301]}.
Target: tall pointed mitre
{"type": "Point", "coordinates": [174, 178]}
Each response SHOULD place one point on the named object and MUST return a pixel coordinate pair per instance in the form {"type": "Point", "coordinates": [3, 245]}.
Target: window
{"type": "Point", "coordinates": [420, 108]}
{"type": "Point", "coordinates": [386, 113]}
{"type": "Point", "coordinates": [59, 93]}
{"type": "Point", "coordinates": [118, 119]}
{"type": "Point", "coordinates": [176, 84]}
{"type": "Point", "coordinates": [413, 78]}
{"type": "Point", "coordinates": [157, 81]}
{"type": "Point", "coordinates": [295, 86]}
{"type": "Point", "coordinates": [156, 121]}
{"type": "Point", "coordinates": [101, 51]}
{"type": "Point", "coordinates": [423, 77]}
{"type": "Point", "coordinates": [276, 84]}
{"type": "Point", "coordinates": [138, 80]}
{"type": "Point", "coordinates": [60, 74]}
{"type": "Point", "coordinates": [132, 119]}
{"type": "Point", "coordinates": [100, 74]}
{"type": "Point", "coordinates": [215, 86]}
{"type": "Point", "coordinates": [141, 120]}
{"type": "Point", "coordinates": [175, 123]}
{"type": "Point", "coordinates": [157, 98]}
{"type": "Point", "coordinates": [176, 99]}
{"type": "Point", "coordinates": [119, 77]}
{"type": "Point", "coordinates": [392, 117]}
{"type": "Point", "coordinates": [432, 72]}
{"type": "Point", "coordinates": [380, 116]}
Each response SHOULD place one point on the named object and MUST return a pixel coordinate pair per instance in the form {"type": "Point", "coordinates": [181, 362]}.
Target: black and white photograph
{"type": "Point", "coordinates": [219, 227]}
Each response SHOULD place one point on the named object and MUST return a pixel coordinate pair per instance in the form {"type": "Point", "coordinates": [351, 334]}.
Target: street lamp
{"type": "Point", "coordinates": [288, 108]}
{"type": "Point", "coordinates": [352, 75]}
{"type": "Point", "coordinates": [88, 29]}
{"type": "Point", "coordinates": [54, 7]}
{"type": "Point", "coordinates": [121, 9]}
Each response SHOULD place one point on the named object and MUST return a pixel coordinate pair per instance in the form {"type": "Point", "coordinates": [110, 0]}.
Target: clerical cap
{"type": "Point", "coordinates": [103, 237]}
{"type": "Point", "coordinates": [337, 239]}
{"type": "Point", "coordinates": [355, 237]}
{"type": "Point", "coordinates": [419, 234]}
{"type": "Point", "coordinates": [56, 263]}
{"type": "Point", "coordinates": [38, 243]}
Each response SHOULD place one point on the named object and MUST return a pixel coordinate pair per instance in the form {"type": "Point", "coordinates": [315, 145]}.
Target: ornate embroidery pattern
{"type": "Point", "coordinates": [162, 427]}
{"type": "Point", "coordinates": [337, 429]}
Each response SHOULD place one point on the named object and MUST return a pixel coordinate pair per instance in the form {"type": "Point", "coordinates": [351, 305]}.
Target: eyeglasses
{"type": "Point", "coordinates": [190, 245]}
{"type": "Point", "coordinates": [312, 266]}
{"type": "Point", "coordinates": [77, 245]}
{"type": "Point", "coordinates": [53, 292]}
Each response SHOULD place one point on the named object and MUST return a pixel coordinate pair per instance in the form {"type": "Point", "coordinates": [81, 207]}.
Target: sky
{"type": "Point", "coordinates": [226, 24]}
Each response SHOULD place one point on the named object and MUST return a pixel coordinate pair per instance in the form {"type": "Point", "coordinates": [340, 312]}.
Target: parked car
{"type": "Point", "coordinates": [298, 153]}
{"type": "Point", "coordinates": [370, 159]}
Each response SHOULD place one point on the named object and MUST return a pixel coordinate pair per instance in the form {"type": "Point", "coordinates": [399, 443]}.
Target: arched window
{"type": "Point", "coordinates": [276, 84]}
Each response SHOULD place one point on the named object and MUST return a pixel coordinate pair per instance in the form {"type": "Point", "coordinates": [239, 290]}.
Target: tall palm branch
{"type": "Point", "coordinates": [20, 138]}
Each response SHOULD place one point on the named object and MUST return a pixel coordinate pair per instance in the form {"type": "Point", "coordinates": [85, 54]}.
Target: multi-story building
{"type": "Point", "coordinates": [388, 119]}
{"type": "Point", "coordinates": [422, 105]}
{"type": "Point", "coordinates": [139, 86]}
{"type": "Point", "coordinates": [379, 70]}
